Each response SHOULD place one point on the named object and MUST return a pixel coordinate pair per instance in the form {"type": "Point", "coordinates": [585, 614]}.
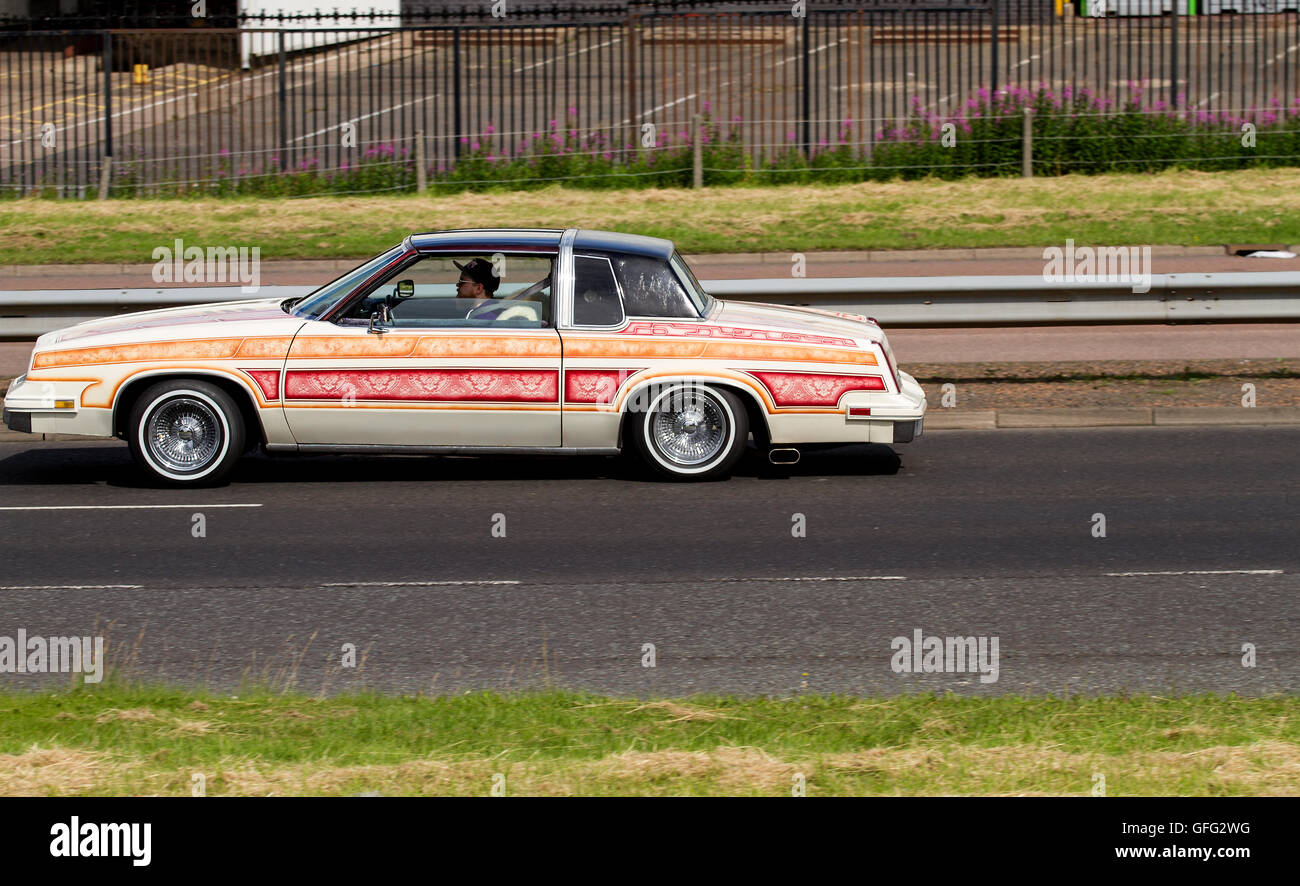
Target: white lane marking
{"type": "Point", "coordinates": [1201, 572]}
{"type": "Point", "coordinates": [822, 48]}
{"type": "Point", "coordinates": [569, 55]}
{"type": "Point", "coordinates": [122, 507]}
{"type": "Point", "coordinates": [411, 584]}
{"type": "Point", "coordinates": [70, 587]}
{"type": "Point", "coordinates": [380, 112]}
{"type": "Point", "coordinates": [824, 578]}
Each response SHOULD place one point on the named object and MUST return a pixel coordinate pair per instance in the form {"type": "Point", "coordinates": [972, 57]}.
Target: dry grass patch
{"type": "Point", "coordinates": [732, 770]}
{"type": "Point", "coordinates": [681, 713]}
{"type": "Point", "coordinates": [133, 715]}
{"type": "Point", "coordinates": [58, 771]}
{"type": "Point", "coordinates": [192, 727]}
{"type": "Point", "coordinates": [435, 777]}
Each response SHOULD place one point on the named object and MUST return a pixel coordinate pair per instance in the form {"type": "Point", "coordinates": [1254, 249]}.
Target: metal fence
{"type": "Point", "coordinates": [205, 104]}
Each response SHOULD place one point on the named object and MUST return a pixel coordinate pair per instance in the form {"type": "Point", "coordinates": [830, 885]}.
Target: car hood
{"type": "Point", "coordinates": [190, 315]}
{"type": "Point", "coordinates": [812, 321]}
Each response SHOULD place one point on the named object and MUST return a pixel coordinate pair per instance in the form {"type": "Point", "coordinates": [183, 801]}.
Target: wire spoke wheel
{"type": "Point", "coordinates": [692, 431]}
{"type": "Point", "coordinates": [186, 432]}
{"type": "Point", "coordinates": [690, 428]}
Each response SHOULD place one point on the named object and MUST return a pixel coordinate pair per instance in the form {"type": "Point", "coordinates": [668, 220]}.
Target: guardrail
{"type": "Point", "coordinates": [894, 301]}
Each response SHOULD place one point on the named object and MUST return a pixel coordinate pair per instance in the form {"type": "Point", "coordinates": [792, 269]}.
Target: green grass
{"type": "Point", "coordinates": [118, 740]}
{"type": "Point", "coordinates": [1172, 208]}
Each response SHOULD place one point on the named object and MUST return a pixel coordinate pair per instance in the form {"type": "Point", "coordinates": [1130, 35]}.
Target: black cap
{"type": "Point", "coordinates": [480, 271]}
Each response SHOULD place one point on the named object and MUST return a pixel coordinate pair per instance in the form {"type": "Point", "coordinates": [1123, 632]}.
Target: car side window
{"type": "Point", "coordinates": [596, 297]}
{"type": "Point", "coordinates": [427, 294]}
{"type": "Point", "coordinates": [651, 289]}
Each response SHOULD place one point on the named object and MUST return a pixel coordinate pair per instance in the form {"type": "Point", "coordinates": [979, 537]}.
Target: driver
{"type": "Point", "coordinates": [477, 279]}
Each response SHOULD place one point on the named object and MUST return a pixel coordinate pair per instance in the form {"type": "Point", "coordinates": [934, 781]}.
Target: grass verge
{"type": "Point", "coordinates": [1172, 208]}
{"type": "Point", "coordinates": [111, 740]}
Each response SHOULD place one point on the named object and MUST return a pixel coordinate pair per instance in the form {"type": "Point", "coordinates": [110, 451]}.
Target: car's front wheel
{"type": "Point", "coordinates": [691, 431]}
{"type": "Point", "coordinates": [186, 432]}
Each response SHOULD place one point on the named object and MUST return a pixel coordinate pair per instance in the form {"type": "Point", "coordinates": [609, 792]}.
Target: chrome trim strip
{"type": "Point", "coordinates": [563, 289]}
{"type": "Point", "coordinates": [383, 448]}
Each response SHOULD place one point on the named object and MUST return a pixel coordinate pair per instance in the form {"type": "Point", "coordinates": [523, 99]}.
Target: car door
{"type": "Point", "coordinates": [404, 365]}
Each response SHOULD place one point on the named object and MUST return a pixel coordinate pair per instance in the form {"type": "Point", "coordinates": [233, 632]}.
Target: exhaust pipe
{"type": "Point", "coordinates": [783, 456]}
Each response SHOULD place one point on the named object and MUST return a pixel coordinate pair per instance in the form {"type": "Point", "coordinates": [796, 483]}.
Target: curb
{"type": "Point", "coordinates": [996, 419]}
{"type": "Point", "coordinates": [1111, 417]}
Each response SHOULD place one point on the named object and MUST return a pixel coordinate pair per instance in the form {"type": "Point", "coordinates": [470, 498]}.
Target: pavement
{"type": "Point", "coordinates": [963, 533]}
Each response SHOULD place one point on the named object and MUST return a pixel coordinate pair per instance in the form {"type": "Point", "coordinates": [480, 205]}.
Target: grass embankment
{"type": "Point", "coordinates": [114, 741]}
{"type": "Point", "coordinates": [1172, 208]}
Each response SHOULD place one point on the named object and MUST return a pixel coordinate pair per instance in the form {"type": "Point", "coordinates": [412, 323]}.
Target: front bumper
{"type": "Point", "coordinates": [17, 421]}
{"type": "Point", "coordinates": [53, 407]}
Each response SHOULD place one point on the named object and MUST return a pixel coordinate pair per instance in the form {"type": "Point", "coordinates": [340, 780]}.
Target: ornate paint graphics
{"type": "Point", "coordinates": [815, 389]}
{"type": "Point", "coordinates": [436, 385]}
{"type": "Point", "coordinates": [594, 385]}
{"type": "Point", "coordinates": [268, 380]}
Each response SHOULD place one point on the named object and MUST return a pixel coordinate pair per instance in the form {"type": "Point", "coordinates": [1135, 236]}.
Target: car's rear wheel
{"type": "Point", "coordinates": [692, 432]}
{"type": "Point", "coordinates": [186, 432]}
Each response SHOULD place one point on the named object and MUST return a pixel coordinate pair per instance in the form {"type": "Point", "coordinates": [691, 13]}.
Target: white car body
{"type": "Point", "coordinates": [806, 376]}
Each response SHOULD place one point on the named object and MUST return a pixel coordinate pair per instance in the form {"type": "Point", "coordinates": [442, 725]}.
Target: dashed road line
{"type": "Point", "coordinates": [1199, 572]}
{"type": "Point", "coordinates": [123, 507]}
{"type": "Point", "coordinates": [71, 587]}
{"type": "Point", "coordinates": [413, 584]}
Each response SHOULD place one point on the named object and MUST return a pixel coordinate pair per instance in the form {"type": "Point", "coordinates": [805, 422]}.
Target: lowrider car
{"type": "Point", "coordinates": [581, 342]}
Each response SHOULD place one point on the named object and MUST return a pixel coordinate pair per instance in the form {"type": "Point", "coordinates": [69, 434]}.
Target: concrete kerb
{"type": "Point", "coordinates": [1111, 417]}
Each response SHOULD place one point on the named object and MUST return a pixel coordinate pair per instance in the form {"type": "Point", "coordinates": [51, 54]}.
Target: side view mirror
{"type": "Point", "coordinates": [380, 320]}
{"type": "Point", "coordinates": [405, 288]}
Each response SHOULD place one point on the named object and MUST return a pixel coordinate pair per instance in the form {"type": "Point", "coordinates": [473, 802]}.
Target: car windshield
{"type": "Point", "coordinates": [316, 303]}
{"type": "Point", "coordinates": [703, 301]}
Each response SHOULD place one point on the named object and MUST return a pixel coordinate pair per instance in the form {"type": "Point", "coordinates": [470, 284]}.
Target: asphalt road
{"type": "Point", "coordinates": [984, 534]}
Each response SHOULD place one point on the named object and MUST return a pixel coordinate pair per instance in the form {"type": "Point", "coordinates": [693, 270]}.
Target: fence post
{"type": "Point", "coordinates": [284, 108]}
{"type": "Point", "coordinates": [1173, 55]}
{"type": "Point", "coordinates": [421, 184]}
{"type": "Point", "coordinates": [697, 152]}
{"type": "Point", "coordinates": [1027, 146]}
{"type": "Point", "coordinates": [106, 171]}
{"type": "Point", "coordinates": [807, 89]}
{"type": "Point", "coordinates": [993, 52]}
{"type": "Point", "coordinates": [455, 91]}
{"type": "Point", "coordinates": [630, 47]}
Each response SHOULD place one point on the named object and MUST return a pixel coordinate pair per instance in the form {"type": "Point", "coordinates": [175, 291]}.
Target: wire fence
{"type": "Point", "coordinates": [606, 93]}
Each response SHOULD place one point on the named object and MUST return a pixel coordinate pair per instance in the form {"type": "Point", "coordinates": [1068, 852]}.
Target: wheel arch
{"type": "Point", "coordinates": [243, 396]}
{"type": "Point", "coordinates": [754, 409]}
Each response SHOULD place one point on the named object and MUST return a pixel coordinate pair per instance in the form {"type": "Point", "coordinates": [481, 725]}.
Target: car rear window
{"type": "Point", "coordinates": [651, 289]}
